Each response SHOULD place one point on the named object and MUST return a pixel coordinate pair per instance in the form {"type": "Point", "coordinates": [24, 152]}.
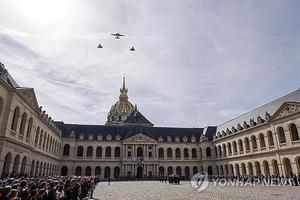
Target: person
{"type": "Point", "coordinates": [108, 181]}
{"type": "Point", "coordinates": [92, 188]}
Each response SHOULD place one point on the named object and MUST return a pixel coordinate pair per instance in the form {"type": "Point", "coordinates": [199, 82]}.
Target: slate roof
{"type": "Point", "coordinates": [128, 131]}
{"type": "Point", "coordinates": [6, 77]}
{"type": "Point", "coordinates": [137, 118]}
{"type": "Point", "coordinates": [270, 108]}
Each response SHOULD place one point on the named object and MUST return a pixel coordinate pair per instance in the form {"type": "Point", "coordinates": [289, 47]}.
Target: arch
{"type": "Point", "coordinates": [200, 153]}
{"type": "Point", "coordinates": [32, 168]}
{"type": "Point", "coordinates": [78, 171]}
{"type": "Point", "coordinates": [237, 170]}
{"type": "Point", "coordinates": [243, 167]}
{"type": "Point", "coordinates": [108, 154]}
{"type": "Point", "coordinates": [186, 152]}
{"type": "Point", "coordinates": [37, 168]}
{"type": "Point", "coordinates": [117, 172]}
{"type": "Point", "coordinates": [281, 135]}
{"type": "Point", "coordinates": [64, 171]}
{"type": "Point", "coordinates": [178, 171]}
{"type": "Point", "coordinates": [117, 152]}
{"type": "Point", "coordinates": [161, 171]}
{"type": "Point", "coordinates": [170, 170]}
{"type": "Point", "coordinates": [221, 170]}
{"type": "Point", "coordinates": [88, 171]}
{"type": "Point", "coordinates": [229, 148]}
{"type": "Point", "coordinates": [254, 142]}
{"type": "Point", "coordinates": [160, 152]}
{"type": "Point", "coordinates": [177, 153]}
{"type": "Point", "coordinates": [195, 170]}
{"type": "Point", "coordinates": [217, 170]}
{"type": "Point", "coordinates": [29, 127]}
{"type": "Point", "coordinates": [257, 168]}
{"type": "Point", "coordinates": [7, 161]}
{"type": "Point", "coordinates": [16, 163]}
{"type": "Point", "coordinates": [80, 151]}
{"type": "Point", "coordinates": [209, 170]}
{"type": "Point", "coordinates": [234, 146]}
{"type": "Point", "coordinates": [266, 167]}
{"type": "Point", "coordinates": [89, 151]}
{"type": "Point", "coordinates": [187, 172]}
{"type": "Point", "coordinates": [15, 119]}
{"type": "Point", "coordinates": [41, 137]}
{"type": "Point", "coordinates": [1, 106]}
{"type": "Point", "coordinates": [23, 165]}
{"type": "Point", "coordinates": [37, 134]}
{"type": "Point", "coordinates": [99, 152]}
{"type": "Point", "coordinates": [226, 170]}
{"type": "Point", "coordinates": [66, 151]}
{"type": "Point", "coordinates": [224, 149]}
{"type": "Point", "coordinates": [250, 168]}
{"type": "Point", "coordinates": [220, 150]}
{"type": "Point", "coordinates": [294, 132]}
{"type": "Point", "coordinates": [194, 153]}
{"type": "Point", "coordinates": [240, 143]}
{"type": "Point", "coordinates": [139, 152]}
{"type": "Point", "coordinates": [107, 172]}
{"type": "Point", "coordinates": [247, 144]}
{"type": "Point", "coordinates": [275, 168]}
{"type": "Point", "coordinates": [97, 171]}
{"type": "Point", "coordinates": [208, 152]}
{"type": "Point", "coordinates": [23, 123]}
{"type": "Point", "coordinates": [261, 139]}
{"type": "Point", "coordinates": [297, 160]}
{"type": "Point", "coordinates": [169, 153]}
{"type": "Point", "coordinates": [270, 138]}
{"type": "Point", "coordinates": [287, 167]}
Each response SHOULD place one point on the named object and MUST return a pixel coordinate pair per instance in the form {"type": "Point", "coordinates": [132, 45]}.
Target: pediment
{"type": "Point", "coordinates": [286, 109]}
{"type": "Point", "coordinates": [140, 137]}
{"type": "Point", "coordinates": [28, 95]}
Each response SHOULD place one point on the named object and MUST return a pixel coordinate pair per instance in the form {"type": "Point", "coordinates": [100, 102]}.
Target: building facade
{"type": "Point", "coordinates": [264, 141]}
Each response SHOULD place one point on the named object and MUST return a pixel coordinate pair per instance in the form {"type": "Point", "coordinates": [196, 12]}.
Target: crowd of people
{"type": "Point", "coordinates": [47, 188]}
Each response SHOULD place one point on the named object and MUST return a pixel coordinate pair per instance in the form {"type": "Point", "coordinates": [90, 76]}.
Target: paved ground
{"type": "Point", "coordinates": [163, 191]}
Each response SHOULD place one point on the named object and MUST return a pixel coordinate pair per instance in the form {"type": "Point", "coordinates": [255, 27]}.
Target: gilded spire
{"type": "Point", "coordinates": [123, 90]}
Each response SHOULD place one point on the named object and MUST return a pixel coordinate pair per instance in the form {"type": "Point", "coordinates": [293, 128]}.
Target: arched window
{"type": "Point", "coordinates": [16, 164]}
{"type": "Point", "coordinates": [209, 170]}
{"type": "Point", "coordinates": [257, 168]}
{"type": "Point", "coordinates": [117, 152]}
{"type": "Point", "coordinates": [178, 171]}
{"type": "Point", "coordinates": [275, 168]}
{"type": "Point", "coordinates": [97, 171]}
{"type": "Point", "coordinates": [266, 167]}
{"type": "Point", "coordinates": [88, 171]}
{"type": "Point", "coordinates": [169, 153]}
{"type": "Point", "coordinates": [247, 144]}
{"type": "Point", "coordinates": [41, 137]}
{"type": "Point", "coordinates": [64, 171]}
{"type": "Point", "coordinates": [14, 123]}
{"type": "Point", "coordinates": [66, 151]}
{"type": "Point", "coordinates": [243, 167]}
{"type": "Point", "coordinates": [89, 151]}
{"type": "Point", "coordinates": [78, 171]}
{"type": "Point", "coordinates": [195, 170]}
{"type": "Point", "coordinates": [6, 165]}
{"type": "Point", "coordinates": [29, 128]}
{"type": "Point", "coordinates": [177, 152]}
{"type": "Point", "coordinates": [170, 170]}
{"type": "Point", "coordinates": [37, 134]}
{"type": "Point", "coordinates": [99, 152]}
{"type": "Point", "coordinates": [262, 140]}
{"type": "Point", "coordinates": [187, 172]}
{"type": "Point", "coordinates": [240, 143]}
{"type": "Point", "coordinates": [200, 153]}
{"type": "Point", "coordinates": [106, 172]}
{"type": "Point", "coordinates": [234, 146]}
{"type": "Point", "coordinates": [194, 153]}
{"type": "Point", "coordinates": [80, 151]}
{"type": "Point", "coordinates": [186, 153]}
{"type": "Point", "coordinates": [161, 153]}
{"type": "Point", "coordinates": [294, 132]}
{"type": "Point", "coordinates": [281, 135]}
{"type": "Point", "coordinates": [23, 123]}
{"type": "Point", "coordinates": [220, 150]}
{"type": "Point", "coordinates": [287, 167]}
{"type": "Point", "coordinates": [229, 148]}
{"type": "Point", "coordinates": [116, 172]}
{"type": "Point", "coordinates": [237, 170]}
{"type": "Point", "coordinates": [270, 138]}
{"type": "Point", "coordinates": [23, 165]}
{"type": "Point", "coordinates": [108, 152]}
{"type": "Point", "coordinates": [224, 149]}
{"type": "Point", "coordinates": [208, 152]}
{"type": "Point", "coordinates": [253, 141]}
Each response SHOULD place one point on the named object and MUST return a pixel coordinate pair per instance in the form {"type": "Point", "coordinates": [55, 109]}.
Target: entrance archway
{"type": "Point", "coordinates": [117, 172]}
{"type": "Point", "coordinates": [287, 167]}
{"type": "Point", "coordinates": [139, 172]}
{"type": "Point", "coordinates": [7, 162]}
{"type": "Point", "coordinates": [64, 171]}
{"type": "Point", "coordinates": [107, 172]}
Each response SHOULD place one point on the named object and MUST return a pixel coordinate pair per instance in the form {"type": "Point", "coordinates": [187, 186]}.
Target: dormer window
{"type": "Point", "coordinates": [177, 139]}
{"type": "Point", "coordinates": [81, 137]}
{"type": "Point", "coordinates": [99, 137]}
{"type": "Point", "coordinates": [108, 137]}
{"type": "Point", "coordinates": [118, 137]}
{"type": "Point", "coordinates": [169, 139]}
{"type": "Point", "coordinates": [160, 139]}
{"type": "Point", "coordinates": [91, 137]}
{"type": "Point", "coordinates": [184, 139]}
{"type": "Point", "coordinates": [193, 139]}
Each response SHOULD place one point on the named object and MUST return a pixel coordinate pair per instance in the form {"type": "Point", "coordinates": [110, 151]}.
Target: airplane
{"type": "Point", "coordinates": [132, 48]}
{"type": "Point", "coordinates": [100, 46]}
{"type": "Point", "coordinates": [117, 35]}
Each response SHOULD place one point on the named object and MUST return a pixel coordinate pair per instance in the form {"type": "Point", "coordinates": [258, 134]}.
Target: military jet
{"type": "Point", "coordinates": [100, 46]}
{"type": "Point", "coordinates": [117, 35]}
{"type": "Point", "coordinates": [132, 48]}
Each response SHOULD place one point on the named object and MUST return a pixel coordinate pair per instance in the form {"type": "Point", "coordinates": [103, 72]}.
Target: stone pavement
{"type": "Point", "coordinates": [163, 191]}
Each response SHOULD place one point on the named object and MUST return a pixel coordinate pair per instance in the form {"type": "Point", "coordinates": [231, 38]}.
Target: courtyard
{"type": "Point", "coordinates": [157, 190]}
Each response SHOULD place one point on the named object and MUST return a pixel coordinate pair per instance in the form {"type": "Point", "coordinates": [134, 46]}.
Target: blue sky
{"type": "Point", "coordinates": [197, 63]}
